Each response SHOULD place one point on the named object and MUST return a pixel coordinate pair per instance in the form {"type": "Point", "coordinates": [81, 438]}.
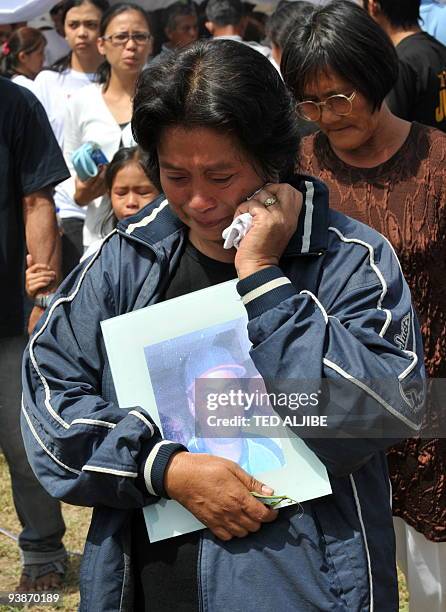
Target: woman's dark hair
{"type": "Point", "coordinates": [225, 86]}
{"type": "Point", "coordinates": [284, 19]}
{"type": "Point", "coordinates": [102, 5]}
{"type": "Point", "coordinates": [121, 158]}
{"type": "Point", "coordinates": [104, 70]}
{"type": "Point", "coordinates": [341, 37]}
{"type": "Point", "coordinates": [23, 40]}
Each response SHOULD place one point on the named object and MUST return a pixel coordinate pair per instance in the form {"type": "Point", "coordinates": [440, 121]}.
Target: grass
{"type": "Point", "coordinates": [77, 521]}
{"type": "Point", "coordinates": [404, 595]}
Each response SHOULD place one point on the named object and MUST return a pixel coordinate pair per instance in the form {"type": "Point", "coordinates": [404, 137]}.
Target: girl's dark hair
{"type": "Point", "coordinates": [102, 5]}
{"type": "Point", "coordinates": [225, 86]}
{"type": "Point", "coordinates": [342, 38]}
{"type": "Point", "coordinates": [23, 40]}
{"type": "Point", "coordinates": [121, 158]}
{"type": "Point", "coordinates": [104, 70]}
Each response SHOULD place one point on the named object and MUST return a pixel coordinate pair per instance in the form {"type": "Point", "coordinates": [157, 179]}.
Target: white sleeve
{"type": "Point", "coordinates": [39, 83]}
{"type": "Point", "coordinates": [127, 136]}
{"type": "Point", "coordinates": [72, 132]}
{"type": "Point", "coordinates": [72, 140]}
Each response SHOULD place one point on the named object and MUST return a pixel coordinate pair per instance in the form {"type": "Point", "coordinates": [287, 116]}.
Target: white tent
{"type": "Point", "coordinates": [12, 11]}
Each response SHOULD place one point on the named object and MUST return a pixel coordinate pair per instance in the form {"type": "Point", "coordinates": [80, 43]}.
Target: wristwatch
{"type": "Point", "coordinates": [43, 301]}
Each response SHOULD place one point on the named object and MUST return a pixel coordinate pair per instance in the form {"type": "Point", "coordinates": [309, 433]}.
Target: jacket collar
{"type": "Point", "coordinates": [156, 222]}
{"type": "Point", "coordinates": [311, 236]}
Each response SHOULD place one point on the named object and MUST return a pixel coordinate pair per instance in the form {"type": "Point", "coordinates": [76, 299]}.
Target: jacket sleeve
{"type": "Point", "coordinates": [364, 348]}
{"type": "Point", "coordinates": [83, 449]}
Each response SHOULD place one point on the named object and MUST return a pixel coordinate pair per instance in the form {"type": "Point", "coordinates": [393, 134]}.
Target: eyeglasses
{"type": "Point", "coordinates": [338, 104]}
{"type": "Point", "coordinates": [122, 38]}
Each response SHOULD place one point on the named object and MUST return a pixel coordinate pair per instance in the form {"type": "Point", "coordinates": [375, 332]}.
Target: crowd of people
{"type": "Point", "coordinates": [325, 121]}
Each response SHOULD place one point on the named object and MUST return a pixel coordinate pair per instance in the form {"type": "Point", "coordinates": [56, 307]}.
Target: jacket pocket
{"type": "Point", "coordinates": [284, 566]}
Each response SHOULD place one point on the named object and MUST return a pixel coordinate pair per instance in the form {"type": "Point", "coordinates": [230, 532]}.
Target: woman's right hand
{"type": "Point", "coordinates": [217, 492]}
{"type": "Point", "coordinates": [87, 191]}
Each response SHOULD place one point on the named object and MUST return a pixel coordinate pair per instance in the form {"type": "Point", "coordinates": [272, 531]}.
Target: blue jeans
{"type": "Point", "coordinates": [40, 540]}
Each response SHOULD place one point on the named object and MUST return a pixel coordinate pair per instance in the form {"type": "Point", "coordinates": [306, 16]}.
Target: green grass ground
{"type": "Point", "coordinates": [77, 521]}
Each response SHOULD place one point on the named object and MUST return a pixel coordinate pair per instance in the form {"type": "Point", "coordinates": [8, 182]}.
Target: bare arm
{"type": "Point", "coordinates": [42, 239]}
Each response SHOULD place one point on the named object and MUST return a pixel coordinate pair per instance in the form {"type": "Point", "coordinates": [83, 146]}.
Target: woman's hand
{"type": "Point", "coordinates": [87, 191]}
{"type": "Point", "coordinates": [272, 227]}
{"type": "Point", "coordinates": [38, 278]}
{"type": "Point", "coordinates": [217, 492]}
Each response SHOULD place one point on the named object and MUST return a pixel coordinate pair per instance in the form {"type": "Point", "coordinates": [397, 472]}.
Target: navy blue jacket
{"type": "Point", "coordinates": [337, 308]}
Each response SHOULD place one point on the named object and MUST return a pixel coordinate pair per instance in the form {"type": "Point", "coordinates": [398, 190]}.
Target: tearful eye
{"type": "Point", "coordinates": [222, 179]}
{"type": "Point", "coordinates": [176, 178]}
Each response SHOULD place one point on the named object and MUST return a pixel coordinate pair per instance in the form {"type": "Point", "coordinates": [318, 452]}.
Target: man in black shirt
{"type": "Point", "coordinates": [420, 92]}
{"type": "Point", "coordinates": [30, 165]}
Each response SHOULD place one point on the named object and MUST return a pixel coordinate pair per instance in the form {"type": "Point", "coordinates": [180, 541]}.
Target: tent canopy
{"type": "Point", "coordinates": [12, 11]}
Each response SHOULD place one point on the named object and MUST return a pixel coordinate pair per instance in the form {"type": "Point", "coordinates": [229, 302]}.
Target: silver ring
{"type": "Point", "coordinates": [270, 201]}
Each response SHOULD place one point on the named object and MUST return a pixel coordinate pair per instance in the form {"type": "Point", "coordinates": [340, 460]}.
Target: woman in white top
{"type": "Point", "coordinates": [55, 86]}
{"type": "Point", "coordinates": [101, 112]}
{"type": "Point", "coordinates": [22, 56]}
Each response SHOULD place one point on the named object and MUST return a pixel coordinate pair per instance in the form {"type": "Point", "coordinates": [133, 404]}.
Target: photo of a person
{"type": "Point", "coordinates": [209, 358]}
{"type": "Point", "coordinates": [255, 454]}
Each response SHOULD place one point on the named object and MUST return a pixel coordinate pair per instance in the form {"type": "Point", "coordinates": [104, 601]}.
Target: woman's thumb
{"type": "Point", "coordinates": [261, 488]}
{"type": "Point", "coordinates": [253, 485]}
{"type": "Point", "coordinates": [29, 260]}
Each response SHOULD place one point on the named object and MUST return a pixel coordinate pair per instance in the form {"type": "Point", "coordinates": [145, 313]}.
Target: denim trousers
{"type": "Point", "coordinates": [40, 540]}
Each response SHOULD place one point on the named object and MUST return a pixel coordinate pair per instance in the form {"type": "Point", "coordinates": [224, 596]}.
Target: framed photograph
{"type": "Point", "coordinates": [170, 358]}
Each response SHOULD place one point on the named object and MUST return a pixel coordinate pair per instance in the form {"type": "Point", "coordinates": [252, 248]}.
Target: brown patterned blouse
{"type": "Point", "coordinates": [405, 199]}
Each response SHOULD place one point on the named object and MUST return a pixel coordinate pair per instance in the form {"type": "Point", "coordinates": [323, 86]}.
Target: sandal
{"type": "Point", "coordinates": [33, 575]}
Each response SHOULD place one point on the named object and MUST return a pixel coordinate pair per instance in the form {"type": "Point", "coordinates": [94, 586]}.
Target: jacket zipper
{"type": "Point", "coordinates": [148, 246]}
{"type": "Point", "coordinates": [140, 240]}
{"type": "Point", "coordinates": [199, 582]}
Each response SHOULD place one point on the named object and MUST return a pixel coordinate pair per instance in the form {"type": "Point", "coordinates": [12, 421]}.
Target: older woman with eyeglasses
{"type": "Point", "coordinates": [101, 112]}
{"type": "Point", "coordinates": [389, 174]}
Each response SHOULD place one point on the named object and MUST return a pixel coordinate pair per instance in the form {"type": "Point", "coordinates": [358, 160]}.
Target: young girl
{"type": "Point", "coordinates": [23, 56]}
{"type": "Point", "coordinates": [100, 112]}
{"type": "Point", "coordinates": [55, 86]}
{"type": "Point", "coordinates": [129, 188]}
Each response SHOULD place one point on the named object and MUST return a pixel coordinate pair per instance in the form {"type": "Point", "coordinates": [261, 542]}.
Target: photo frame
{"type": "Point", "coordinates": [157, 353]}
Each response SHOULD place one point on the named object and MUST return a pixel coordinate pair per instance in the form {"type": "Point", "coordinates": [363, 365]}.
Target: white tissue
{"type": "Point", "coordinates": [238, 229]}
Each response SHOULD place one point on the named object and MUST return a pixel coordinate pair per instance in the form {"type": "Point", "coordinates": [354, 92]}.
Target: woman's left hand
{"type": "Point", "coordinates": [275, 212]}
